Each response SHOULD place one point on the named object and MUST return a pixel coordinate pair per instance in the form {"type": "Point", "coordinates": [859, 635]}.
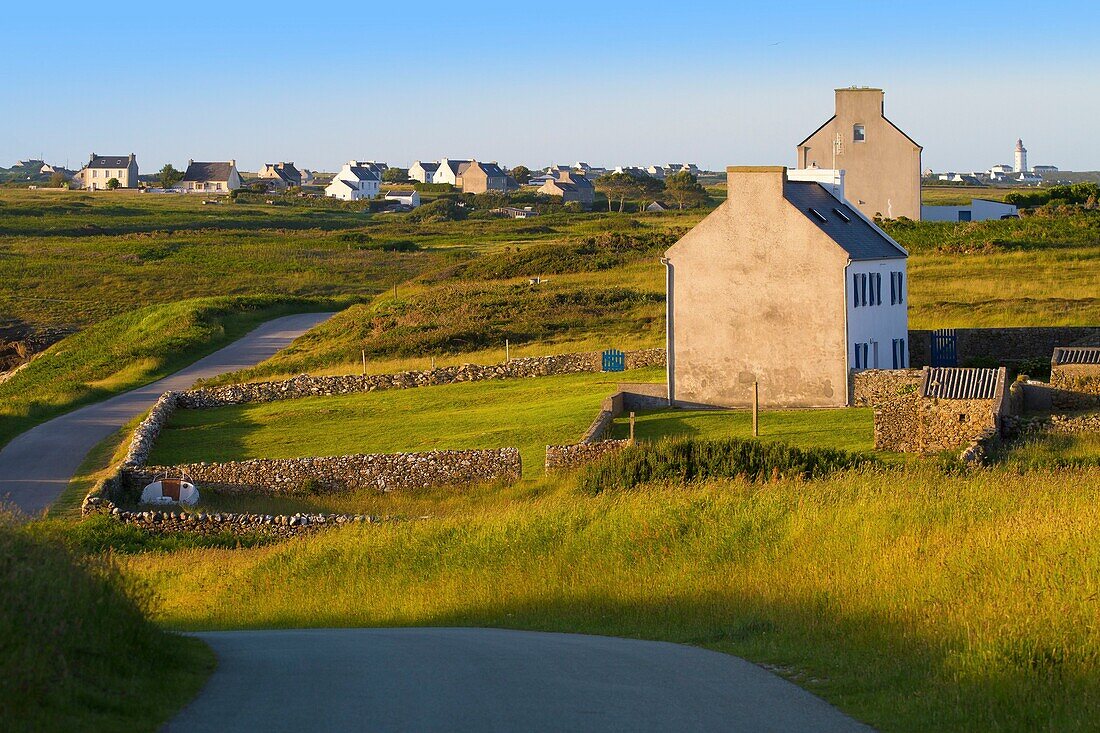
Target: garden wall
{"type": "Point", "coordinates": [1003, 345]}
{"type": "Point", "coordinates": [630, 397]}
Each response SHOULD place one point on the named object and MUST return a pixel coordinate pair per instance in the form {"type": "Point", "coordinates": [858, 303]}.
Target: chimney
{"type": "Point", "coordinates": [232, 162]}
{"type": "Point", "coordinates": [131, 157]}
{"type": "Point", "coordinates": [91, 157]}
{"type": "Point", "coordinates": [859, 103]}
{"type": "Point", "coordinates": [190, 162]}
{"type": "Point", "coordinates": [755, 183]}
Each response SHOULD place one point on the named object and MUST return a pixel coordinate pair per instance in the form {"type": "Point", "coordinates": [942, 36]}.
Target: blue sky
{"type": "Point", "coordinates": [534, 83]}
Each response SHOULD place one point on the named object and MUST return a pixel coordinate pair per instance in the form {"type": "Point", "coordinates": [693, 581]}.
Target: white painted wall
{"type": "Point", "coordinates": [877, 325]}
{"type": "Point", "coordinates": [980, 210]}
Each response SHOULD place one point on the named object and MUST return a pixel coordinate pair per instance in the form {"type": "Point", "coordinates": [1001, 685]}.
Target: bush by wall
{"type": "Point", "coordinates": [686, 460]}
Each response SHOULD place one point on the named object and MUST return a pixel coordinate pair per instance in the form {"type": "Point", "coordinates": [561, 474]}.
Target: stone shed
{"type": "Point", "coordinates": [953, 409]}
{"type": "Point", "coordinates": [1075, 377]}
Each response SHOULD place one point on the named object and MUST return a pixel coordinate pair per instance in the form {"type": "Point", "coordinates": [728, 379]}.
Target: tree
{"type": "Point", "coordinates": [169, 176]}
{"type": "Point", "coordinates": [395, 175]}
{"type": "Point", "coordinates": [622, 186]}
{"type": "Point", "coordinates": [685, 190]}
{"type": "Point", "coordinates": [522, 174]}
{"type": "Point", "coordinates": [113, 184]}
{"type": "Point", "coordinates": [58, 180]}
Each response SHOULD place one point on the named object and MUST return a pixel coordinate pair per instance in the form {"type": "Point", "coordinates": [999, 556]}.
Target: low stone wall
{"type": "Point", "coordinates": [1076, 386]}
{"type": "Point", "coordinates": [871, 387]}
{"type": "Point", "coordinates": [147, 431]}
{"type": "Point", "coordinates": [1056, 424]}
{"type": "Point", "coordinates": [216, 523]}
{"type": "Point", "coordinates": [1003, 345]}
{"type": "Point", "coordinates": [311, 386]}
{"type": "Point", "coordinates": [381, 471]}
{"type": "Point", "coordinates": [568, 457]}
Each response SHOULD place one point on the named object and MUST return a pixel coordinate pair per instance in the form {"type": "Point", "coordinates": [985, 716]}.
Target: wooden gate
{"type": "Point", "coordinates": [944, 348]}
{"type": "Point", "coordinates": [614, 361]}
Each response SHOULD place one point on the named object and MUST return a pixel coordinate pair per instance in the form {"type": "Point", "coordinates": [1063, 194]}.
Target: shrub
{"type": "Point", "coordinates": [438, 211]}
{"type": "Point", "coordinates": [687, 460]}
{"type": "Point", "coordinates": [434, 187]}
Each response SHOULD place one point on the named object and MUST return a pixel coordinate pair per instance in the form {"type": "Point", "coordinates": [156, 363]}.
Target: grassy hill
{"type": "Point", "coordinates": [912, 599]}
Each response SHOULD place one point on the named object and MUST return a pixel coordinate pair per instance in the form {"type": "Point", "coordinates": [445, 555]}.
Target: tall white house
{"type": "Point", "coordinates": [356, 180]}
{"type": "Point", "coordinates": [1019, 163]}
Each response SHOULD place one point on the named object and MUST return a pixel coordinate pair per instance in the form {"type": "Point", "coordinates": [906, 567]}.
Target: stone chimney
{"type": "Point", "coordinates": [747, 184]}
{"type": "Point", "coordinates": [232, 162]}
{"type": "Point", "coordinates": [190, 162]}
{"type": "Point", "coordinates": [91, 157]}
{"type": "Point", "coordinates": [859, 104]}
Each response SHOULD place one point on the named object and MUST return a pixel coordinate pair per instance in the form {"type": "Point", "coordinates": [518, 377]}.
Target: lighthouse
{"type": "Point", "coordinates": [1019, 164]}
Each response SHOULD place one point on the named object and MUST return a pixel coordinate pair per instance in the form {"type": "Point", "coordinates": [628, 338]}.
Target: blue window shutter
{"type": "Point", "coordinates": [901, 350]}
{"type": "Point", "coordinates": [855, 349]}
{"type": "Point", "coordinates": [901, 288]}
{"type": "Point", "coordinates": [855, 290]}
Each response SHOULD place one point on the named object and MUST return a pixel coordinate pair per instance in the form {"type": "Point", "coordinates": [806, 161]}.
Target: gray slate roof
{"type": "Point", "coordinates": [208, 171]}
{"type": "Point", "coordinates": [364, 174]}
{"type": "Point", "coordinates": [847, 228]}
{"type": "Point", "coordinates": [109, 161]}
{"type": "Point", "coordinates": [954, 383]}
{"type": "Point", "coordinates": [430, 167]}
{"type": "Point", "coordinates": [1076, 355]}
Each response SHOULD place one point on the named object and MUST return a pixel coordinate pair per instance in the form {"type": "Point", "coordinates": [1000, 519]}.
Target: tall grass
{"type": "Point", "coordinates": [76, 649]}
{"type": "Point", "coordinates": [914, 600]}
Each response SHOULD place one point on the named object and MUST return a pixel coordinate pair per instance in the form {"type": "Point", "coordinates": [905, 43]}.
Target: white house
{"type": "Point", "coordinates": [449, 171]}
{"type": "Point", "coordinates": [976, 210]}
{"type": "Point", "coordinates": [423, 172]}
{"type": "Point", "coordinates": [102, 168]}
{"type": "Point", "coordinates": [405, 197]}
{"type": "Point", "coordinates": [355, 181]}
{"type": "Point", "coordinates": [210, 177]}
{"type": "Point", "coordinates": [784, 289]}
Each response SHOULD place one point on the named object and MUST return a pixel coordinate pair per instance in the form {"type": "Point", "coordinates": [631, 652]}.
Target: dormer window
{"type": "Point", "coordinates": [859, 134]}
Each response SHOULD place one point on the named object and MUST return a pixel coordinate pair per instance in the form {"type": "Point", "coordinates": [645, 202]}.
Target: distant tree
{"type": "Point", "coordinates": [58, 180]}
{"type": "Point", "coordinates": [395, 175]}
{"type": "Point", "coordinates": [113, 184]}
{"type": "Point", "coordinates": [168, 176]}
{"type": "Point", "coordinates": [684, 190]}
{"type": "Point", "coordinates": [522, 174]}
{"type": "Point", "coordinates": [623, 186]}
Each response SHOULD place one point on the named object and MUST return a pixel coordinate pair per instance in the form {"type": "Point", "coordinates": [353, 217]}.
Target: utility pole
{"type": "Point", "coordinates": [756, 409]}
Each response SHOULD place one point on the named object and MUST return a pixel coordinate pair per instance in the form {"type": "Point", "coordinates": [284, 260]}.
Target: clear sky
{"type": "Point", "coordinates": [716, 83]}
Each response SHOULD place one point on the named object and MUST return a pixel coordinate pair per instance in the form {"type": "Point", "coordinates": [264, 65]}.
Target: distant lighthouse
{"type": "Point", "coordinates": [1019, 165]}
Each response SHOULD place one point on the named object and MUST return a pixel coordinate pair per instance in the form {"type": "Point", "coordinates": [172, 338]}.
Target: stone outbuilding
{"type": "Point", "coordinates": [882, 163]}
{"type": "Point", "coordinates": [1075, 377]}
{"type": "Point", "coordinates": [953, 408]}
{"type": "Point", "coordinates": [787, 285]}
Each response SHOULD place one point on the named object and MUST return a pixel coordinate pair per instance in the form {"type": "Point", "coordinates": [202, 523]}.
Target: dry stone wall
{"type": "Point", "coordinates": [1003, 345]}
{"type": "Point", "coordinates": [315, 386]}
{"type": "Point", "coordinates": [568, 457]}
{"type": "Point", "coordinates": [381, 471]}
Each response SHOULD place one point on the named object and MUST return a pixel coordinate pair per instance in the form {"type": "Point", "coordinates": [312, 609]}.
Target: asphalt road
{"type": "Point", "coordinates": [422, 680]}
{"type": "Point", "coordinates": [37, 465]}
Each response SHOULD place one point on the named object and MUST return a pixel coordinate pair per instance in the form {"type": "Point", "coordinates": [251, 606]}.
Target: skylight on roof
{"type": "Point", "coordinates": [842, 215]}
{"type": "Point", "coordinates": [819, 215]}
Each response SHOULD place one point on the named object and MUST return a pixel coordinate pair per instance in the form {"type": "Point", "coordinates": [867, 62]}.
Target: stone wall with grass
{"type": "Point", "coordinates": [314, 386]}
{"type": "Point", "coordinates": [593, 444]}
{"type": "Point", "coordinates": [304, 476]}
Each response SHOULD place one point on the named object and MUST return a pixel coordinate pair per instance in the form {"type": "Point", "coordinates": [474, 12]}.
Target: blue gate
{"type": "Point", "coordinates": [944, 348]}
{"type": "Point", "coordinates": [614, 361]}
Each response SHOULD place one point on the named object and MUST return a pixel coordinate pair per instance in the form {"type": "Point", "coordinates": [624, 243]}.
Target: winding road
{"type": "Point", "coordinates": [37, 465]}
{"type": "Point", "coordinates": [455, 680]}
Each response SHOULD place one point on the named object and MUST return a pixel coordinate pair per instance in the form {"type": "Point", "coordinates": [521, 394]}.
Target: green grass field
{"type": "Point", "coordinates": [914, 600]}
{"type": "Point", "coordinates": [527, 414]}
{"type": "Point", "coordinates": [847, 429]}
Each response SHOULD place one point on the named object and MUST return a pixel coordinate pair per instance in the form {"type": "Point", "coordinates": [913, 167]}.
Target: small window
{"type": "Point", "coordinates": [820, 217]}
{"type": "Point", "coordinates": [859, 134]}
{"type": "Point", "coordinates": [842, 215]}
{"type": "Point", "coordinates": [964, 215]}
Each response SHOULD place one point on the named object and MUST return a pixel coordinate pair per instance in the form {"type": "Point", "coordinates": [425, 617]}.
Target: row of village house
{"type": "Point", "coordinates": [358, 180]}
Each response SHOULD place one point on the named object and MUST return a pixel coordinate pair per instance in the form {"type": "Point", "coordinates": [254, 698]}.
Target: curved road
{"type": "Point", "coordinates": [37, 465]}
{"type": "Point", "coordinates": [454, 680]}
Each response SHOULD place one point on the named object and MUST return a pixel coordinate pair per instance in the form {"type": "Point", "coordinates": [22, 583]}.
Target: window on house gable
{"type": "Point", "coordinates": [896, 292]}
{"type": "Point", "coordinates": [876, 288]}
{"type": "Point", "coordinates": [859, 133]}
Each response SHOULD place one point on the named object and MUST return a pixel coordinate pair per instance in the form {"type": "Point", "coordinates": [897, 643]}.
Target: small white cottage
{"type": "Point", "coordinates": [355, 181]}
